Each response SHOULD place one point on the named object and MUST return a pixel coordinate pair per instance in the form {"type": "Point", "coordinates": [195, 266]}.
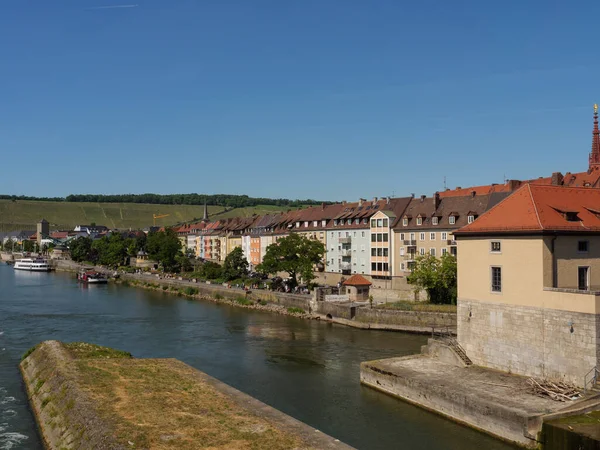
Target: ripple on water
{"type": "Point", "coordinates": [7, 400]}
{"type": "Point", "coordinates": [11, 440]}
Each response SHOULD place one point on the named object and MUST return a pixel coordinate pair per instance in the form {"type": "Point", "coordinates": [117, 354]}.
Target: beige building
{"type": "Point", "coordinates": [529, 284]}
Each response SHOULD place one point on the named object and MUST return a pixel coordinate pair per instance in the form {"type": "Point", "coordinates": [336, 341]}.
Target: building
{"type": "Point", "coordinates": [428, 223]}
{"type": "Point", "coordinates": [357, 288]}
{"type": "Point", "coordinates": [529, 284]}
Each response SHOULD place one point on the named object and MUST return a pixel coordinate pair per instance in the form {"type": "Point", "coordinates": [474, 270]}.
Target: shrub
{"type": "Point", "coordinates": [243, 301]}
{"type": "Point", "coordinates": [294, 310]}
{"type": "Point", "coordinates": [263, 302]}
{"type": "Point", "coordinates": [164, 288]}
{"type": "Point", "coordinates": [218, 296]}
{"type": "Point", "coordinates": [190, 291]}
{"type": "Point", "coordinates": [28, 352]}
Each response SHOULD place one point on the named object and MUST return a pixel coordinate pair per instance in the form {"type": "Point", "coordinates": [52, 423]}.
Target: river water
{"type": "Point", "coordinates": [307, 369]}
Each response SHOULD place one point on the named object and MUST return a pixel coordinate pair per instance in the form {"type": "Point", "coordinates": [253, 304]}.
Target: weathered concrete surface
{"type": "Point", "coordinates": [580, 432]}
{"type": "Point", "coordinates": [492, 401]}
{"type": "Point", "coordinates": [103, 399]}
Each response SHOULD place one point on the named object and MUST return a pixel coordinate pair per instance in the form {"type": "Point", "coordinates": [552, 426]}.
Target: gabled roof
{"type": "Point", "coordinates": [357, 280]}
{"type": "Point", "coordinates": [537, 208]}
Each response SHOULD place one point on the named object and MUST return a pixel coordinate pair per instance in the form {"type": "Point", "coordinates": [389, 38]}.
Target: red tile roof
{"type": "Point", "coordinates": [536, 208]}
{"type": "Point", "coordinates": [357, 280]}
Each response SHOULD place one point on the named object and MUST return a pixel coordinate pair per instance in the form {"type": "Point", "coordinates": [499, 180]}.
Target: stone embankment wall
{"type": "Point", "coordinates": [537, 342]}
{"type": "Point", "coordinates": [72, 390]}
{"type": "Point", "coordinates": [66, 417]}
{"type": "Point", "coordinates": [364, 317]}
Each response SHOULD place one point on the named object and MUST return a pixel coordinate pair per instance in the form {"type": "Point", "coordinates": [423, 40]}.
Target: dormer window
{"type": "Point", "coordinates": [470, 218]}
{"type": "Point", "coordinates": [306, 224]}
{"type": "Point", "coordinates": [451, 220]}
{"type": "Point", "coordinates": [405, 222]}
{"type": "Point", "coordinates": [335, 222]}
{"type": "Point", "coordinates": [297, 224]}
{"type": "Point", "coordinates": [323, 223]}
{"type": "Point", "coordinates": [419, 221]}
{"type": "Point", "coordinates": [571, 216]}
{"type": "Point", "coordinates": [434, 220]}
{"type": "Point", "coordinates": [315, 223]}
{"type": "Point", "coordinates": [356, 221]}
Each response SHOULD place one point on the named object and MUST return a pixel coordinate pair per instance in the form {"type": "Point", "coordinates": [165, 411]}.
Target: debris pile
{"type": "Point", "coordinates": [556, 390]}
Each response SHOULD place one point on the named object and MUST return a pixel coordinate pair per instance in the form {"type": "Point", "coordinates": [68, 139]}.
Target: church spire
{"type": "Point", "coordinates": [595, 154]}
{"type": "Point", "coordinates": [205, 217]}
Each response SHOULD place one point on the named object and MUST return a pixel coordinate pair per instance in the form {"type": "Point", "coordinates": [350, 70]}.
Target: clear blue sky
{"type": "Point", "coordinates": [327, 99]}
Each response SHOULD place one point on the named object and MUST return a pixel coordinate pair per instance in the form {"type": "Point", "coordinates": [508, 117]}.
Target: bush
{"type": "Point", "coordinates": [190, 291]}
{"type": "Point", "coordinates": [294, 310]}
{"type": "Point", "coordinates": [164, 288]}
{"type": "Point", "coordinates": [218, 296]}
{"type": "Point", "coordinates": [263, 302]}
{"type": "Point", "coordinates": [28, 352]}
{"type": "Point", "coordinates": [243, 301]}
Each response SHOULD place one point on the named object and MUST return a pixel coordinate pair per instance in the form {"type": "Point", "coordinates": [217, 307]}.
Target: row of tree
{"type": "Point", "coordinates": [224, 200]}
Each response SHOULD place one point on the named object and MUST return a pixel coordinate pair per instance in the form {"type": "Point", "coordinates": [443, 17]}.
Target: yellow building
{"type": "Point", "coordinates": [529, 284]}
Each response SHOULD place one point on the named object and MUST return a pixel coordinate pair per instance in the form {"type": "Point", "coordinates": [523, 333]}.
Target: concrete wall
{"type": "Point", "coordinates": [529, 341]}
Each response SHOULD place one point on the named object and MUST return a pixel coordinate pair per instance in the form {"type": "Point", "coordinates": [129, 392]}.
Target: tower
{"type": "Point", "coordinates": [205, 217]}
{"type": "Point", "coordinates": [595, 154]}
{"type": "Point", "coordinates": [43, 230]}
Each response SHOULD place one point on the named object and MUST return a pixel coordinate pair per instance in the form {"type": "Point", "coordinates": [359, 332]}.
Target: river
{"type": "Point", "coordinates": [307, 369]}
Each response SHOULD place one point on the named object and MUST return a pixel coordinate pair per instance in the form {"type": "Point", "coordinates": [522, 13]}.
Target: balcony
{"type": "Point", "coordinates": [346, 252]}
{"type": "Point", "coordinates": [345, 266]}
{"type": "Point", "coordinates": [410, 256]}
{"type": "Point", "coordinates": [346, 240]}
{"type": "Point", "coordinates": [450, 242]}
{"type": "Point", "coordinates": [410, 243]}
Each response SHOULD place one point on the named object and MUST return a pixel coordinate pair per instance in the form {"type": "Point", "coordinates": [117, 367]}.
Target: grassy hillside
{"type": "Point", "coordinates": [24, 214]}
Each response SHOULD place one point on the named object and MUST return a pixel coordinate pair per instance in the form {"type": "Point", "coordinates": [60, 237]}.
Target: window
{"type": "Point", "coordinates": [470, 218]}
{"type": "Point", "coordinates": [373, 237]}
{"type": "Point", "coordinates": [385, 222]}
{"type": "Point", "coordinates": [444, 236]}
{"type": "Point", "coordinates": [374, 266]}
{"type": "Point", "coordinates": [335, 222]}
{"type": "Point", "coordinates": [373, 223]}
{"type": "Point", "coordinates": [373, 252]}
{"type": "Point", "coordinates": [379, 223]}
{"type": "Point", "coordinates": [306, 224]}
{"type": "Point", "coordinates": [419, 221]}
{"type": "Point", "coordinates": [444, 251]}
{"type": "Point", "coordinates": [422, 236]}
{"type": "Point", "coordinates": [323, 223]}
{"type": "Point", "coordinates": [432, 236]}
{"type": "Point", "coordinates": [332, 260]}
{"type": "Point", "coordinates": [401, 266]}
{"type": "Point", "coordinates": [432, 251]}
{"type": "Point", "coordinates": [495, 246]}
{"type": "Point", "coordinates": [402, 236]}
{"type": "Point", "coordinates": [332, 234]}
{"type": "Point", "coordinates": [434, 221]}
{"type": "Point", "coordinates": [401, 251]}
{"type": "Point", "coordinates": [583, 275]}
{"type": "Point", "coordinates": [379, 267]}
{"type": "Point", "coordinates": [422, 251]}
{"type": "Point", "coordinates": [315, 223]}
{"type": "Point", "coordinates": [496, 279]}
{"type": "Point", "coordinates": [385, 252]}
{"type": "Point", "coordinates": [405, 222]}
{"type": "Point", "coordinates": [355, 234]}
{"type": "Point", "coordinates": [582, 246]}
{"type": "Point", "coordinates": [379, 252]}
{"type": "Point", "coordinates": [412, 236]}
{"type": "Point", "coordinates": [362, 234]}
{"type": "Point", "coordinates": [385, 237]}
{"type": "Point", "coordinates": [451, 220]}
{"type": "Point", "coordinates": [356, 221]}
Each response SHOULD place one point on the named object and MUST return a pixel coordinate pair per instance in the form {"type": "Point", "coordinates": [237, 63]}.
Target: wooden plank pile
{"type": "Point", "coordinates": [556, 390]}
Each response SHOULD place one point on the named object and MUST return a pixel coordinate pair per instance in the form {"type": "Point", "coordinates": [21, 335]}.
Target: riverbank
{"type": "Point", "coordinates": [87, 396]}
{"type": "Point", "coordinates": [354, 315]}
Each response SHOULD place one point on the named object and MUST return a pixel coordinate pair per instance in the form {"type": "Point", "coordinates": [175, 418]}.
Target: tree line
{"type": "Point", "coordinates": [224, 200]}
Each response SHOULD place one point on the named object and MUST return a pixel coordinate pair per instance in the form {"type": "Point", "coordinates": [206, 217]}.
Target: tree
{"type": "Point", "coordinates": [437, 277]}
{"type": "Point", "coordinates": [294, 254]}
{"type": "Point", "coordinates": [210, 271]}
{"type": "Point", "coordinates": [235, 264]}
{"type": "Point", "coordinates": [81, 249]}
{"type": "Point", "coordinates": [28, 245]}
{"type": "Point", "coordinates": [164, 247]}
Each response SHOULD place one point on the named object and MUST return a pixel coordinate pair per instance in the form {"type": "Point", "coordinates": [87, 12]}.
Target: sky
{"type": "Point", "coordinates": [321, 99]}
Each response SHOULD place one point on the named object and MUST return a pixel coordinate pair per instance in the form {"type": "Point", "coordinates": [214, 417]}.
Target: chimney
{"type": "Point", "coordinates": [473, 194]}
{"type": "Point", "coordinates": [412, 195]}
{"type": "Point", "coordinates": [343, 202]}
{"type": "Point", "coordinates": [513, 184]}
{"type": "Point", "coordinates": [360, 200]}
{"type": "Point", "coordinates": [458, 187]}
{"type": "Point", "coordinates": [436, 200]}
{"type": "Point", "coordinates": [423, 197]}
{"type": "Point", "coordinates": [374, 199]}
{"type": "Point", "coordinates": [557, 179]}
{"type": "Point", "coordinates": [387, 200]}
{"type": "Point", "coordinates": [322, 206]}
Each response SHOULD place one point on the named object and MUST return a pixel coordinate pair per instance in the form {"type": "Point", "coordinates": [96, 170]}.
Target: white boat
{"type": "Point", "coordinates": [32, 265]}
{"type": "Point", "coordinates": [91, 277]}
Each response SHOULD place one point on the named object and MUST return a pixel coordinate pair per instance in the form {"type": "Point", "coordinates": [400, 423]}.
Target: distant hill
{"type": "Point", "coordinates": [24, 214]}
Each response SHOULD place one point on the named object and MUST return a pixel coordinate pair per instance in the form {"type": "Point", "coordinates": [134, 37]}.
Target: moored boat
{"type": "Point", "coordinates": [92, 277]}
{"type": "Point", "coordinates": [32, 264]}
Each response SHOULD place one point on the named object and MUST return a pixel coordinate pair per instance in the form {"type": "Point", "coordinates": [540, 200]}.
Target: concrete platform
{"type": "Point", "coordinates": [494, 402]}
